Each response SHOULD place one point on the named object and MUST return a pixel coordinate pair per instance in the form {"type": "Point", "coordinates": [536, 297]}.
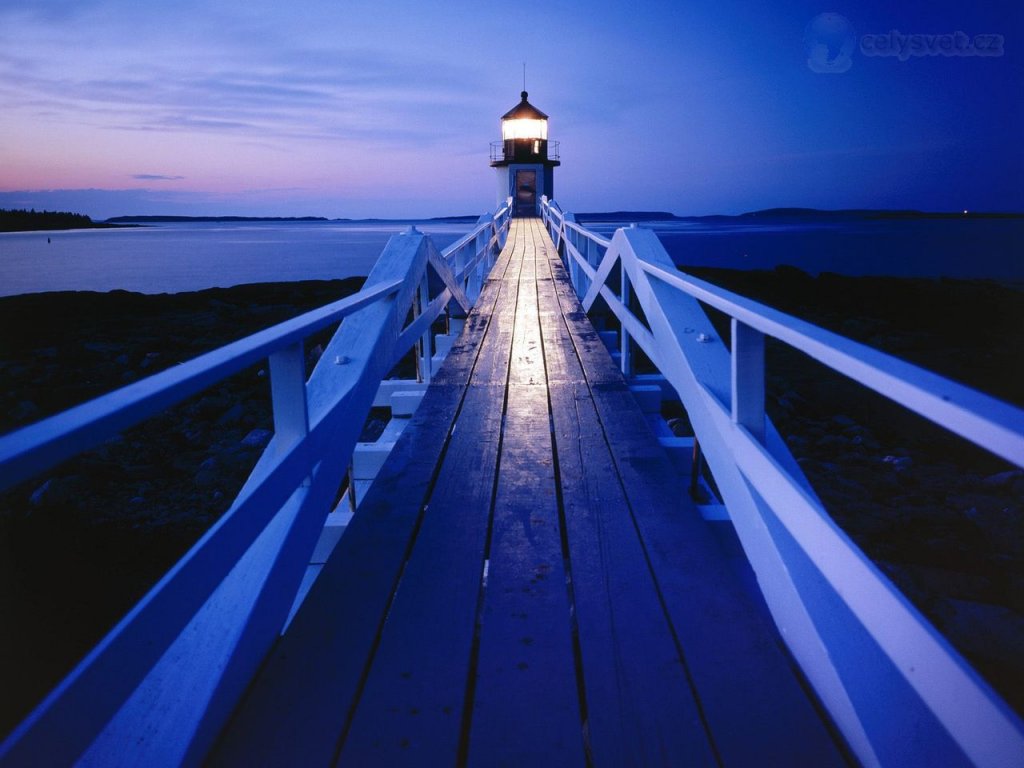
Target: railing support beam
{"type": "Point", "coordinates": [288, 394]}
{"type": "Point", "coordinates": [625, 344]}
{"type": "Point", "coordinates": [748, 379]}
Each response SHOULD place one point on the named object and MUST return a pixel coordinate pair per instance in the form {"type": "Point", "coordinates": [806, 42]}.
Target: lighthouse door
{"type": "Point", "coordinates": [526, 193]}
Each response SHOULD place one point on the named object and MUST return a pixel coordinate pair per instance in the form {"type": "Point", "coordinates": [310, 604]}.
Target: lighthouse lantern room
{"type": "Point", "coordinates": [524, 159]}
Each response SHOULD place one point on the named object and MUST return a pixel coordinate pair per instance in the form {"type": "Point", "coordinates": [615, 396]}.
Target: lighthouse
{"type": "Point", "coordinates": [524, 159]}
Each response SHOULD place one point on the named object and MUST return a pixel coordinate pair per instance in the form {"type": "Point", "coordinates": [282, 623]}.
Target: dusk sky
{"type": "Point", "coordinates": [386, 109]}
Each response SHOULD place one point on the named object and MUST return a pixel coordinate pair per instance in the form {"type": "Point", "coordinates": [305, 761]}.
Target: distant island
{"type": "Point", "coordinates": [795, 213]}
{"type": "Point", "coordinates": [236, 219]}
{"type": "Point", "coordinates": [32, 220]}
{"type": "Point", "coordinates": [221, 219]}
{"type": "Point", "coordinates": [16, 220]}
{"type": "Point", "coordinates": [43, 221]}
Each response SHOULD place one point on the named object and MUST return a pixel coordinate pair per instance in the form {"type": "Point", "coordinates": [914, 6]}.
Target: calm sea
{"type": "Point", "coordinates": [169, 258]}
{"type": "Point", "coordinates": [962, 248]}
{"type": "Point", "coordinates": [174, 257]}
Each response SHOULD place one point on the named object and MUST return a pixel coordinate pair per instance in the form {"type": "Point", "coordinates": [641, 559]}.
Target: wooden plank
{"type": "Point", "coordinates": [412, 704]}
{"type": "Point", "coordinates": [298, 706]}
{"type": "Point", "coordinates": [640, 709]}
{"type": "Point", "coordinates": [411, 707]}
{"type": "Point", "coordinates": [746, 684]}
{"type": "Point", "coordinates": [526, 704]}
{"type": "Point", "coordinates": [490, 368]}
{"type": "Point", "coordinates": [728, 642]}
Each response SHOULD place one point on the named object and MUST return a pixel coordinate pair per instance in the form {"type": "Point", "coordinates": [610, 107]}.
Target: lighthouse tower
{"type": "Point", "coordinates": [524, 159]}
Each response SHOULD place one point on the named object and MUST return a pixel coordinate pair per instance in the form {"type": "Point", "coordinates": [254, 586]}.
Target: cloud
{"type": "Point", "coordinates": [218, 83]}
{"type": "Point", "coordinates": [155, 177]}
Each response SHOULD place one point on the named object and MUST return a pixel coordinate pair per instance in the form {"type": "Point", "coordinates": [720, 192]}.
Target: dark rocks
{"type": "Point", "coordinates": [898, 463]}
{"type": "Point", "coordinates": [206, 478]}
{"type": "Point", "coordinates": [232, 415]}
{"type": "Point", "coordinates": [943, 519]}
{"type": "Point", "coordinates": [843, 422]}
{"type": "Point", "coordinates": [24, 412]}
{"type": "Point", "coordinates": [1004, 480]}
{"type": "Point", "coordinates": [82, 544]}
{"type": "Point", "coordinates": [314, 356]}
{"type": "Point", "coordinates": [58, 491]}
{"type": "Point", "coordinates": [257, 438]}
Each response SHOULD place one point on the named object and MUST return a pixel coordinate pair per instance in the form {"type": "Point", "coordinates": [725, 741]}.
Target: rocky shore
{"type": "Point", "coordinates": [943, 519]}
{"type": "Point", "coordinates": [82, 543]}
{"type": "Point", "coordinates": [79, 545]}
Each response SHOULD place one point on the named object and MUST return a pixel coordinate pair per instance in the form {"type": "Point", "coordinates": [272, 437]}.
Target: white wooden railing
{"type": "Point", "coordinates": [168, 675]}
{"type": "Point", "coordinates": [897, 690]}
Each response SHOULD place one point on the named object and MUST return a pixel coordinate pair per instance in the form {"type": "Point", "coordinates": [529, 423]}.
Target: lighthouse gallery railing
{"type": "Point", "coordinates": [898, 691]}
{"type": "Point", "coordinates": [172, 670]}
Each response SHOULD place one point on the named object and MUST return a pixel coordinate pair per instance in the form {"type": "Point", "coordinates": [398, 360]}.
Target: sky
{"type": "Point", "coordinates": [386, 109]}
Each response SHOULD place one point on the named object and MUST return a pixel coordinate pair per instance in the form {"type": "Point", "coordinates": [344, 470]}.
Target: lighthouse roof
{"type": "Point", "coordinates": [524, 110]}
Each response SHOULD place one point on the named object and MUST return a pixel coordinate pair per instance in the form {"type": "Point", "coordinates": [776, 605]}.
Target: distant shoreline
{"type": "Point", "coordinates": [54, 221]}
{"type": "Point", "coordinates": [33, 221]}
{"type": "Point", "coordinates": [119, 220]}
{"type": "Point", "coordinates": [844, 214]}
{"type": "Point", "coordinates": [49, 221]}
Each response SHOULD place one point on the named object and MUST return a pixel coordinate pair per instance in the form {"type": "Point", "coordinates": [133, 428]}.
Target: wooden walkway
{"type": "Point", "coordinates": [527, 583]}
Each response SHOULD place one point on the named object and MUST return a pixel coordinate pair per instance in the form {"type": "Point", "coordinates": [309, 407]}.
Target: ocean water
{"type": "Point", "coordinates": [173, 257]}
{"type": "Point", "coordinates": [959, 248]}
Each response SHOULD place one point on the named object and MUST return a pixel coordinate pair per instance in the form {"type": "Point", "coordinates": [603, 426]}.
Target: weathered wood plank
{"type": "Point", "coordinates": [728, 643]}
{"type": "Point", "coordinates": [403, 632]}
{"type": "Point", "coordinates": [526, 705]}
{"type": "Point", "coordinates": [747, 686]}
{"type": "Point", "coordinates": [298, 707]}
{"type": "Point", "coordinates": [411, 707]}
{"type": "Point", "coordinates": [640, 709]}
{"type": "Point", "coordinates": [412, 704]}
{"type": "Point", "coordinates": [526, 702]}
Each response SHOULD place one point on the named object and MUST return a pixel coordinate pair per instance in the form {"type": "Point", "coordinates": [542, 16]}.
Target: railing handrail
{"type": "Point", "coordinates": [852, 631]}
{"type": "Point", "coordinates": [37, 447]}
{"type": "Point", "coordinates": [208, 622]}
{"type": "Point", "coordinates": [986, 421]}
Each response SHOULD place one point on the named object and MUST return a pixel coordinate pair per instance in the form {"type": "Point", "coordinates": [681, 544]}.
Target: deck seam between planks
{"type": "Point", "coordinates": [577, 648]}
{"type": "Point", "coordinates": [623, 725]}
{"type": "Point", "coordinates": [462, 755]}
{"type": "Point", "coordinates": [502, 671]}
{"type": "Point", "coordinates": [561, 300]}
{"type": "Point", "coordinates": [251, 716]}
{"type": "Point", "coordinates": [404, 688]}
{"type": "Point", "coordinates": [479, 477]}
{"type": "Point", "coordinates": [734, 623]}
{"type": "Point", "coordinates": [498, 283]}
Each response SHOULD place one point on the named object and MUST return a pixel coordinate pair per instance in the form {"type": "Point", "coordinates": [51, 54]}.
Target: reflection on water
{"type": "Point", "coordinates": [169, 258]}
{"type": "Point", "coordinates": [963, 248]}
{"type": "Point", "coordinates": [191, 256]}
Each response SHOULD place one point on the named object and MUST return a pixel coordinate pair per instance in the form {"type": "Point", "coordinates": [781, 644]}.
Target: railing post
{"type": "Point", "coordinates": [460, 264]}
{"type": "Point", "coordinates": [288, 394]}
{"type": "Point", "coordinates": [625, 344]}
{"type": "Point", "coordinates": [426, 345]}
{"type": "Point", "coordinates": [492, 251]}
{"type": "Point", "coordinates": [748, 379]}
